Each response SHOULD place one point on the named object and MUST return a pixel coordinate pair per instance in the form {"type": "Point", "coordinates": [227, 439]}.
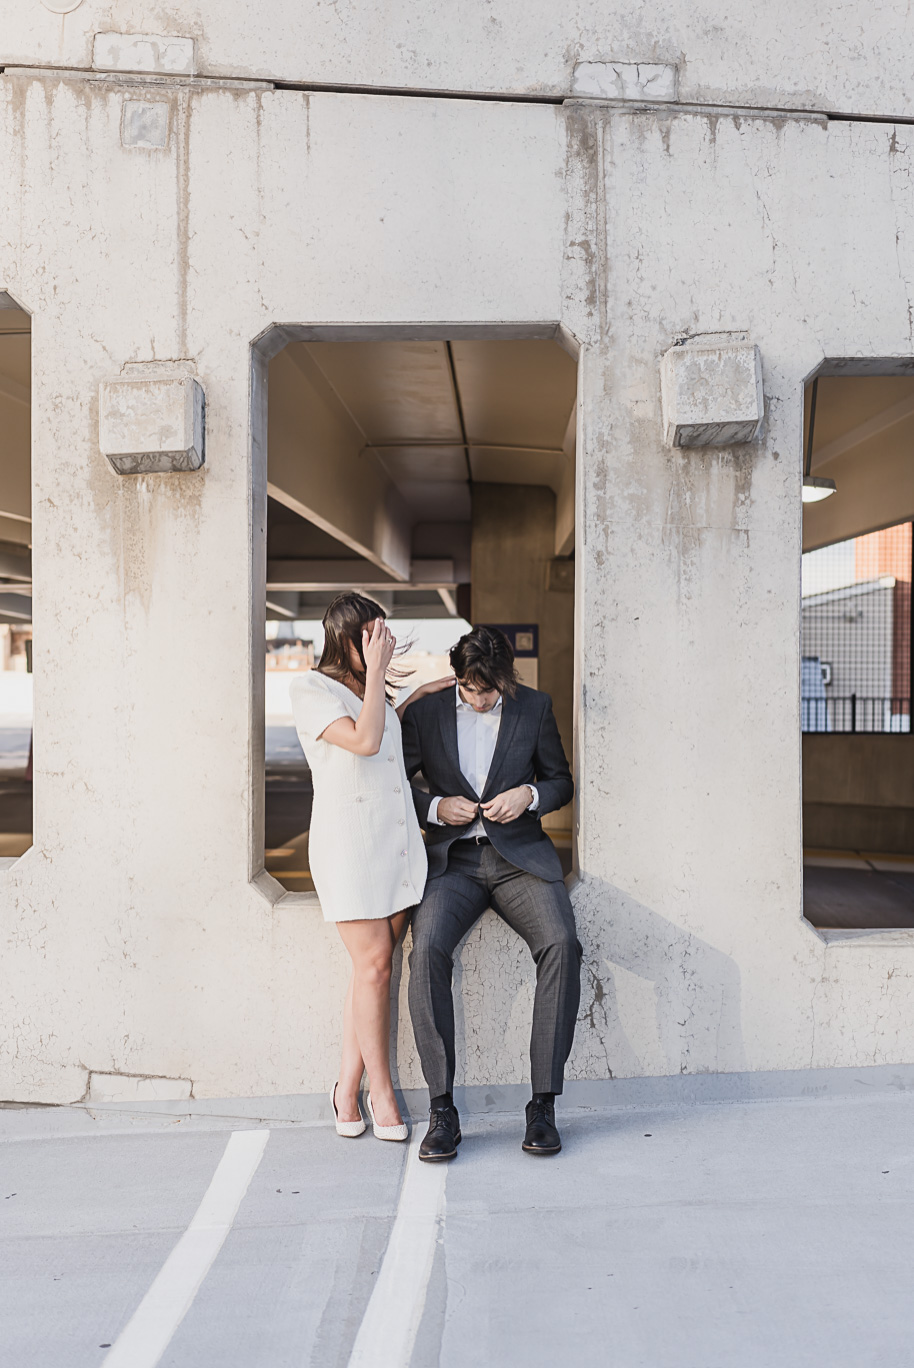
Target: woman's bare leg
{"type": "Point", "coordinates": [352, 1066]}
{"type": "Point", "coordinates": [371, 946]}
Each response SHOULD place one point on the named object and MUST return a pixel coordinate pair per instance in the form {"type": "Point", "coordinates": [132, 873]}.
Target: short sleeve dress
{"type": "Point", "coordinates": [365, 847]}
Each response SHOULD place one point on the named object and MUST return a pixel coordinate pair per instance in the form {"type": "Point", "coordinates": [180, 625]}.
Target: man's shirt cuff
{"type": "Point", "coordinates": [433, 812]}
{"type": "Point", "coordinates": [536, 798]}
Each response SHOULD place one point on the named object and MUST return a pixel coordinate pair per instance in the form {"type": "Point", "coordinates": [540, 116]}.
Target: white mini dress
{"type": "Point", "coordinates": [365, 847]}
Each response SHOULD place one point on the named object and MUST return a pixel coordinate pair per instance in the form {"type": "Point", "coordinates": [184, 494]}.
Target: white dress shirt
{"type": "Point", "coordinates": [477, 733]}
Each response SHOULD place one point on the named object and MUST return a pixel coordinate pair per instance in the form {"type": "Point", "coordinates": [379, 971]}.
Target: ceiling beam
{"type": "Point", "coordinates": [15, 529]}
{"type": "Point", "coordinates": [565, 494]}
{"type": "Point", "coordinates": [485, 446]}
{"type": "Point", "coordinates": [320, 467]}
{"type": "Point", "coordinates": [310, 575]}
{"type": "Point", "coordinates": [15, 564]}
{"type": "Point", "coordinates": [15, 607]}
{"type": "Point", "coordinates": [458, 404]}
{"type": "Point", "coordinates": [12, 389]}
{"type": "Point", "coordinates": [864, 432]}
{"type": "Point", "coordinates": [449, 600]}
{"type": "Point", "coordinates": [286, 574]}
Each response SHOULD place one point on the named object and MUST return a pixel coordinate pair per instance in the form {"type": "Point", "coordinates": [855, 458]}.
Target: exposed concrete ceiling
{"type": "Point", "coordinates": [863, 440]}
{"type": "Point", "coordinates": [439, 415]}
{"type": "Point", "coordinates": [377, 444]}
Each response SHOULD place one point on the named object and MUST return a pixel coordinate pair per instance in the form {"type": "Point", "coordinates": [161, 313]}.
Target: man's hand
{"type": "Point", "coordinates": [456, 811]}
{"type": "Point", "coordinates": [508, 806]}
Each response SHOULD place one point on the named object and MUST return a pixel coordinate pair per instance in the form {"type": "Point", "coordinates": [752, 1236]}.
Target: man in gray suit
{"type": "Point", "coordinates": [492, 758]}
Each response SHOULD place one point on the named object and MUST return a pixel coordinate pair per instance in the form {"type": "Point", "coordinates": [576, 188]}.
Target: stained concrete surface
{"type": "Point", "coordinates": [697, 1236]}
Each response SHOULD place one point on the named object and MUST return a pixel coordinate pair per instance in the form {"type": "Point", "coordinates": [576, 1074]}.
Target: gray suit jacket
{"type": "Point", "coordinates": [528, 751]}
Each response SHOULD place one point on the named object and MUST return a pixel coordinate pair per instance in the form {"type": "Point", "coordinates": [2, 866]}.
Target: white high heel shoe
{"type": "Point", "coordinates": [349, 1129]}
{"type": "Point", "coordinates": [385, 1132]}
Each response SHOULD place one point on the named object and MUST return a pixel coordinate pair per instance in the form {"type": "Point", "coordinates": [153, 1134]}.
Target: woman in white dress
{"type": "Point", "coordinates": [366, 851]}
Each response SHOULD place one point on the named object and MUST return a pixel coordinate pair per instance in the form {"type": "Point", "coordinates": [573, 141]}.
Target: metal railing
{"type": "Point", "coordinates": [855, 714]}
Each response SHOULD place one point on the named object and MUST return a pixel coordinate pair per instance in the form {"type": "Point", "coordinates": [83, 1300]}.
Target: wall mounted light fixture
{"type": "Point", "coordinates": [815, 487]}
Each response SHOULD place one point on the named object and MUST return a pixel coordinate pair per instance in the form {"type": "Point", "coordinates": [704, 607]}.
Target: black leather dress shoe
{"type": "Point", "coordinates": [542, 1136]}
{"type": "Point", "coordinates": [442, 1137]}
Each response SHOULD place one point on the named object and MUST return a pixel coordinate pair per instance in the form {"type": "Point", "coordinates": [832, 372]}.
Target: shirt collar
{"type": "Point", "coordinates": [468, 707]}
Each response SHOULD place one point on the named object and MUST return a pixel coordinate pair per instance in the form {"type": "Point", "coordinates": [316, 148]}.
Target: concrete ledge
{"type": "Point", "coordinates": [891, 935]}
{"type": "Point", "coordinates": [677, 1090]}
{"type": "Point", "coordinates": [682, 1090]}
{"type": "Point", "coordinates": [25, 1121]}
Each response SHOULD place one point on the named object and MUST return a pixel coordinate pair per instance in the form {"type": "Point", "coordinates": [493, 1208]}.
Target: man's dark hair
{"type": "Point", "coordinates": [483, 658]}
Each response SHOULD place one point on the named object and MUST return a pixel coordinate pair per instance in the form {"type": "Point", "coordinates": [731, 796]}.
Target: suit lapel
{"type": "Point", "coordinates": [510, 713]}
{"type": "Point", "coordinates": [447, 722]}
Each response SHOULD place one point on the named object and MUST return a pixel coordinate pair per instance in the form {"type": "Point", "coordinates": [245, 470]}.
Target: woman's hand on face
{"type": "Point", "coordinates": [378, 647]}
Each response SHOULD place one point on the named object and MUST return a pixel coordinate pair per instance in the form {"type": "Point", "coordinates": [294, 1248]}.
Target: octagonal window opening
{"type": "Point", "coordinates": [16, 749]}
{"type": "Point", "coordinates": [856, 649]}
{"type": "Point", "coordinates": [435, 472]}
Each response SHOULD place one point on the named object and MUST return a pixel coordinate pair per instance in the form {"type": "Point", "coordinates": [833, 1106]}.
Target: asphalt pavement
{"type": "Point", "coordinates": [727, 1235]}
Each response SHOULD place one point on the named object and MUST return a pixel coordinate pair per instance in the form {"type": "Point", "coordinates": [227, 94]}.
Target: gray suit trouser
{"type": "Point", "coordinates": [478, 877]}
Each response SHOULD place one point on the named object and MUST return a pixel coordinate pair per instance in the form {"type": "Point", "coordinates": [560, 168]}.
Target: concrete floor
{"type": "Point", "coordinates": [734, 1235]}
{"type": "Point", "coordinates": [858, 889]}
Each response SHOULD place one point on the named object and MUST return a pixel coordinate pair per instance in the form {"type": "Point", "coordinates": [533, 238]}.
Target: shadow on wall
{"type": "Point", "coordinates": [655, 999]}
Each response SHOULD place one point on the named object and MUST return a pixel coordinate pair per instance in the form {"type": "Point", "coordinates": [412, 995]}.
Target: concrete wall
{"type": "Point", "coordinates": [858, 793]}
{"type": "Point", "coordinates": [850, 56]}
{"type": "Point", "coordinates": [513, 544]}
{"type": "Point", "coordinates": [138, 934]}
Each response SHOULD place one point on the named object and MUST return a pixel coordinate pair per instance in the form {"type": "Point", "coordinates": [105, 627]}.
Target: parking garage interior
{"type": "Point", "coordinates": [15, 581]}
{"type": "Point", "coordinates": [856, 652]}
{"type": "Point", "coordinates": [438, 476]}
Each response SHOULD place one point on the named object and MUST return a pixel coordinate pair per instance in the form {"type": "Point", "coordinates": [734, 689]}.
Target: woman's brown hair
{"type": "Point", "coordinates": [344, 621]}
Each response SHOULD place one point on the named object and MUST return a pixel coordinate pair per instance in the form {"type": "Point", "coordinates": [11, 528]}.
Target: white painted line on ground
{"type": "Point", "coordinates": [391, 1321]}
{"type": "Point", "coordinates": [147, 1334]}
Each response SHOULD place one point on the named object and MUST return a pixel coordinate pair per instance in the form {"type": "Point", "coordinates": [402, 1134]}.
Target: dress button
{"type": "Point", "coordinates": [396, 790]}
{"type": "Point", "coordinates": [402, 852]}
{"type": "Point", "coordinates": [402, 821]}
{"type": "Point", "coordinates": [390, 759]}
{"type": "Point", "coordinates": [406, 883]}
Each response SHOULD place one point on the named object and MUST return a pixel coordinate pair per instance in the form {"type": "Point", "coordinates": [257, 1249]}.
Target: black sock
{"type": "Point", "coordinates": [544, 1097]}
{"type": "Point", "coordinates": [443, 1100]}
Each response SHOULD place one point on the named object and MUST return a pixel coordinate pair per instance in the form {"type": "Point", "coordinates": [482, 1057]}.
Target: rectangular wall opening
{"type": "Point", "coordinates": [437, 476]}
{"type": "Point", "coordinates": [15, 581]}
{"type": "Point", "coordinates": [856, 654]}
